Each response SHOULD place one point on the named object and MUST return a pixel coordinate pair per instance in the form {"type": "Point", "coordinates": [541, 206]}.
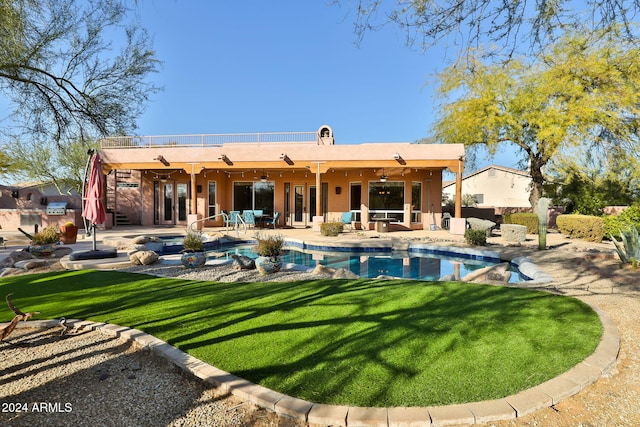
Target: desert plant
{"type": "Point", "coordinates": [331, 228]}
{"type": "Point", "coordinates": [269, 246]}
{"type": "Point", "coordinates": [475, 237]}
{"type": "Point", "coordinates": [629, 247]}
{"type": "Point", "coordinates": [193, 241]}
{"type": "Point", "coordinates": [46, 236]}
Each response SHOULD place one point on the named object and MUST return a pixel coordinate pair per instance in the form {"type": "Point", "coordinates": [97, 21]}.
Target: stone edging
{"type": "Point", "coordinates": [541, 396]}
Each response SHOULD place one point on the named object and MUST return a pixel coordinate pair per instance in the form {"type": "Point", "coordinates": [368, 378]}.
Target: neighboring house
{"type": "Point", "coordinates": [303, 176]}
{"type": "Point", "coordinates": [495, 187]}
{"type": "Point", "coordinates": [26, 206]}
{"type": "Point", "coordinates": [46, 188]}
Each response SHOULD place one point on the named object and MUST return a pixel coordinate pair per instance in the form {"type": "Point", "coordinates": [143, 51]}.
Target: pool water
{"type": "Point", "coordinates": [400, 264]}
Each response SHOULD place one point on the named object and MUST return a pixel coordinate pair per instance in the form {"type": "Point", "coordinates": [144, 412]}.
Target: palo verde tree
{"type": "Point", "coordinates": [580, 88]}
{"type": "Point", "coordinates": [72, 69]}
{"type": "Point", "coordinates": [63, 167]}
{"type": "Point", "coordinates": [508, 25]}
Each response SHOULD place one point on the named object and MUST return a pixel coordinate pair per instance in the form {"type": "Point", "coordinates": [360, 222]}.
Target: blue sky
{"type": "Point", "coordinates": [288, 65]}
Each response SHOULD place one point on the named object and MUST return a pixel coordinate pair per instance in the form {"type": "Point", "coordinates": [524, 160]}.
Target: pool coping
{"type": "Point", "coordinates": [547, 394]}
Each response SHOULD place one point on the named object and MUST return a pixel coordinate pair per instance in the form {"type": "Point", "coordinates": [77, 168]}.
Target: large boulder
{"type": "Point", "coordinates": [343, 273]}
{"type": "Point", "coordinates": [481, 224]}
{"type": "Point", "coordinates": [242, 262]}
{"type": "Point", "coordinates": [143, 258]}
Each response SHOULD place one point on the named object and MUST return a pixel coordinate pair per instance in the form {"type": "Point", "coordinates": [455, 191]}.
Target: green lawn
{"type": "Point", "coordinates": [354, 342]}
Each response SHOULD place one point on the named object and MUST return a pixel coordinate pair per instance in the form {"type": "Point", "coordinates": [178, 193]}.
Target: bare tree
{"type": "Point", "coordinates": [506, 24]}
{"type": "Point", "coordinates": [64, 76]}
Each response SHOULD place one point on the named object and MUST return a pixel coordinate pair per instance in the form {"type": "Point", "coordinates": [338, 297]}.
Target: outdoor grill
{"type": "Point", "coordinates": [57, 208]}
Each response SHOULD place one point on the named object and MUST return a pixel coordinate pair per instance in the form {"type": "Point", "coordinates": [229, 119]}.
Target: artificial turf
{"type": "Point", "coordinates": [349, 342]}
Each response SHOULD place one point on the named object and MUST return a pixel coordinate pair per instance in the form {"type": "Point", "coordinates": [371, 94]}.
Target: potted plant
{"type": "Point", "coordinates": [44, 242]}
{"type": "Point", "coordinates": [193, 254]}
{"type": "Point", "coordinates": [268, 249]}
{"type": "Point", "coordinates": [68, 233]}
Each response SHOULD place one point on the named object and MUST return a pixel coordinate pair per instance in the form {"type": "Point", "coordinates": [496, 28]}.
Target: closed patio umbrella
{"type": "Point", "coordinates": [93, 207]}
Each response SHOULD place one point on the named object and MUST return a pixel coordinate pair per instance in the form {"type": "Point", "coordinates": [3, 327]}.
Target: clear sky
{"type": "Point", "coordinates": [286, 65]}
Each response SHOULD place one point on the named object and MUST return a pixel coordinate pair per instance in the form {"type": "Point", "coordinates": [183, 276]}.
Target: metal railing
{"type": "Point", "coordinates": [207, 140]}
{"type": "Point", "coordinates": [227, 221]}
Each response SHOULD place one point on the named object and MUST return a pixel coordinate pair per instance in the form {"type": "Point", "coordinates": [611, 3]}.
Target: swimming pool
{"type": "Point", "coordinates": [415, 261]}
{"type": "Point", "coordinates": [371, 264]}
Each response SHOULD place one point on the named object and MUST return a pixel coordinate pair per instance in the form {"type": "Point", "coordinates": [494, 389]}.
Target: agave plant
{"type": "Point", "coordinates": [629, 247]}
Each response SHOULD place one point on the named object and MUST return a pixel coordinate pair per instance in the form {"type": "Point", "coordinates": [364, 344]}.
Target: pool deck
{"type": "Point", "coordinates": [544, 395]}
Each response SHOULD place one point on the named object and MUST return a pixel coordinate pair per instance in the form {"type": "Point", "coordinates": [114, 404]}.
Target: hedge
{"type": "Point", "coordinates": [585, 227]}
{"type": "Point", "coordinates": [529, 220]}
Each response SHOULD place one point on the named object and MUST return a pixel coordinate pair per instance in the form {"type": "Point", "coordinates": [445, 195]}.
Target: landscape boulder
{"type": "Point", "coordinates": [481, 224]}
{"type": "Point", "coordinates": [143, 258]}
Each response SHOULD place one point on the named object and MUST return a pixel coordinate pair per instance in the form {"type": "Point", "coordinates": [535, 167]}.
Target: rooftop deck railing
{"type": "Point", "coordinates": [207, 140]}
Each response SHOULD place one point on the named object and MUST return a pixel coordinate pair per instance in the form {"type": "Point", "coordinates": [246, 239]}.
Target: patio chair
{"type": "Point", "coordinates": [347, 219]}
{"type": "Point", "coordinates": [234, 218]}
{"type": "Point", "coordinates": [249, 218]}
{"type": "Point", "coordinates": [3, 243]}
{"type": "Point", "coordinates": [272, 221]}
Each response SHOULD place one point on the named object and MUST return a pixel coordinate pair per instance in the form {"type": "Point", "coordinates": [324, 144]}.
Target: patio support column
{"type": "Point", "coordinates": [458, 211]}
{"type": "Point", "coordinates": [194, 201]}
{"type": "Point", "coordinates": [194, 195]}
{"type": "Point", "coordinates": [318, 192]}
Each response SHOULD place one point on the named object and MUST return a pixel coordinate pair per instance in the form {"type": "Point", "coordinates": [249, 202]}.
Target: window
{"type": "Point", "coordinates": [212, 198]}
{"type": "Point", "coordinates": [479, 198]}
{"type": "Point", "coordinates": [355, 200]}
{"type": "Point", "coordinates": [387, 199]}
{"type": "Point", "coordinates": [253, 195]}
{"type": "Point", "coordinates": [416, 201]}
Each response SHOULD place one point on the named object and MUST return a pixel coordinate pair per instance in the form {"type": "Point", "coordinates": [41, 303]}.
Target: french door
{"type": "Point", "coordinates": [172, 203]}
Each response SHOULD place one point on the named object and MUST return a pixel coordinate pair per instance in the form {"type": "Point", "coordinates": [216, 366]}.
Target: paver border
{"type": "Point", "coordinates": [549, 393]}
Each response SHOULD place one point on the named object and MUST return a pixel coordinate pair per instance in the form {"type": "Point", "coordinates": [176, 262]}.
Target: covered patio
{"type": "Point", "coordinates": [185, 179]}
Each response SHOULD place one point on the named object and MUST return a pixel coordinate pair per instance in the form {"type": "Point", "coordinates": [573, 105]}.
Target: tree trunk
{"type": "Point", "coordinates": [537, 181]}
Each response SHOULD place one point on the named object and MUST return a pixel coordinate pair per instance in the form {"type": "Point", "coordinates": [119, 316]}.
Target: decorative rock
{"type": "Point", "coordinates": [267, 265]}
{"type": "Point", "coordinates": [481, 224]}
{"type": "Point", "coordinates": [143, 258]}
{"type": "Point", "coordinates": [513, 233]}
{"type": "Point", "coordinates": [9, 271]}
{"type": "Point", "coordinates": [342, 273]}
{"type": "Point", "coordinates": [324, 270]}
{"type": "Point", "coordinates": [31, 264]}
{"type": "Point", "coordinates": [500, 273]}
{"type": "Point", "coordinates": [241, 262]}
{"type": "Point", "coordinates": [141, 240]}
{"type": "Point", "coordinates": [61, 251]}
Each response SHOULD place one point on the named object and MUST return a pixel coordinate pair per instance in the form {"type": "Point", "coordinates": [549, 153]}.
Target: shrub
{"type": "Point", "coordinates": [193, 241]}
{"type": "Point", "coordinates": [616, 224]}
{"type": "Point", "coordinates": [475, 237]}
{"type": "Point", "coordinates": [47, 235]}
{"type": "Point", "coordinates": [586, 227]}
{"type": "Point", "coordinates": [331, 228]}
{"type": "Point", "coordinates": [528, 219]}
{"type": "Point", "coordinates": [269, 246]}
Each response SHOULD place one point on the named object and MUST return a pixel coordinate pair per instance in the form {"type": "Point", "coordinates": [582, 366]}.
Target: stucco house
{"type": "Point", "coordinates": [495, 187]}
{"type": "Point", "coordinates": [303, 176]}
